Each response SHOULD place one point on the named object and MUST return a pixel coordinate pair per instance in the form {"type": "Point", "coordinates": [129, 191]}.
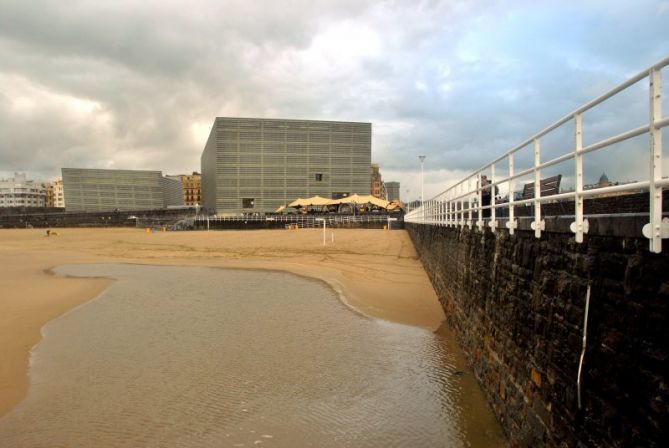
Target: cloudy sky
{"type": "Point", "coordinates": [127, 84]}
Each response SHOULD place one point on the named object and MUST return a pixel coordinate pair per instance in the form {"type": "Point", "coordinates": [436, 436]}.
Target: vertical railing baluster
{"type": "Point", "coordinates": [469, 203]}
{"type": "Point", "coordinates": [579, 227]}
{"type": "Point", "coordinates": [461, 215]}
{"type": "Point", "coordinates": [538, 225]}
{"type": "Point", "coordinates": [442, 215]}
{"type": "Point", "coordinates": [511, 223]}
{"type": "Point", "coordinates": [462, 205]}
{"type": "Point", "coordinates": [450, 211]}
{"type": "Point", "coordinates": [654, 229]}
{"type": "Point", "coordinates": [493, 201]}
{"type": "Point", "coordinates": [479, 192]}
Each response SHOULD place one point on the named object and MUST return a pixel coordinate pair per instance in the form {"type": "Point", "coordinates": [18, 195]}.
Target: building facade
{"type": "Point", "coordinates": [393, 191]}
{"type": "Point", "coordinates": [95, 190]}
{"type": "Point", "coordinates": [192, 188]}
{"type": "Point", "coordinates": [257, 165]}
{"type": "Point", "coordinates": [378, 188]}
{"type": "Point", "coordinates": [54, 194]}
{"type": "Point", "coordinates": [173, 192]}
{"type": "Point", "coordinates": [19, 191]}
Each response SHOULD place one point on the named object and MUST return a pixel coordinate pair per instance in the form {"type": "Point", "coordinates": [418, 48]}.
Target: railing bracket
{"type": "Point", "coordinates": [584, 227]}
{"type": "Point", "coordinates": [661, 231]}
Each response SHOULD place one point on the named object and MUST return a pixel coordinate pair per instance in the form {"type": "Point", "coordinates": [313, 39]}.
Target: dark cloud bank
{"type": "Point", "coordinates": [137, 84]}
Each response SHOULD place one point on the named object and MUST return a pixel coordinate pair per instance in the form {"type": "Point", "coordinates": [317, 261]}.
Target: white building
{"type": "Point", "coordinates": [58, 194]}
{"type": "Point", "coordinates": [18, 191]}
{"type": "Point", "coordinates": [54, 193]}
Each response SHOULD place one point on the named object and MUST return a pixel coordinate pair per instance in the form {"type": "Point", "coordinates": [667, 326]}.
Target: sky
{"type": "Point", "coordinates": [136, 85]}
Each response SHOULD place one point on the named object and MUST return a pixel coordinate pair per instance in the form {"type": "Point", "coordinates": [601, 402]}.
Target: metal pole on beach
{"type": "Point", "coordinates": [322, 219]}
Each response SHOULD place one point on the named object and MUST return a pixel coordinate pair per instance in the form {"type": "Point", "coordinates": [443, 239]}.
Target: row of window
{"type": "Point", "coordinates": [37, 203]}
{"type": "Point", "coordinates": [260, 145]}
{"type": "Point", "coordinates": [293, 127]}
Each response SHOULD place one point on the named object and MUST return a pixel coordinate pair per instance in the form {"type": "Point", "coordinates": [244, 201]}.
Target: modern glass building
{"type": "Point", "coordinates": [257, 165]}
{"type": "Point", "coordinates": [94, 190]}
{"type": "Point", "coordinates": [393, 191]}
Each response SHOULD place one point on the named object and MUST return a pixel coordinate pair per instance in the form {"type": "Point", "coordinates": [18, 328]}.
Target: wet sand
{"type": "Point", "coordinates": [228, 359]}
{"type": "Point", "coordinates": [376, 272]}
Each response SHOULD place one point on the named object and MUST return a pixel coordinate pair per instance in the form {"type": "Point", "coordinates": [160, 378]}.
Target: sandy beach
{"type": "Point", "coordinates": [376, 272]}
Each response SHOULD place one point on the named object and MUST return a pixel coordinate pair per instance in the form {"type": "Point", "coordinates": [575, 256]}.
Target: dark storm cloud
{"type": "Point", "coordinates": [137, 84]}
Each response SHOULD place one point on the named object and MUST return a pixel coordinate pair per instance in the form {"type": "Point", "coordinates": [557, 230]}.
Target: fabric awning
{"type": "Point", "coordinates": [361, 199]}
{"type": "Point", "coordinates": [312, 201]}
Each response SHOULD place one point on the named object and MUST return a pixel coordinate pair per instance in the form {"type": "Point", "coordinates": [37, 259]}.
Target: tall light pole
{"type": "Point", "coordinates": [422, 160]}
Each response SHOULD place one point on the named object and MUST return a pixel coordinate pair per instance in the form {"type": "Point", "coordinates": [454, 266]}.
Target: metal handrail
{"type": "Point", "coordinates": [458, 204]}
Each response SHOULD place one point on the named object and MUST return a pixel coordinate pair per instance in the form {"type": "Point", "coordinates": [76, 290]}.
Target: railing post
{"type": "Point", "coordinates": [579, 226]}
{"type": "Point", "coordinates": [441, 212]}
{"type": "Point", "coordinates": [457, 213]}
{"type": "Point", "coordinates": [461, 220]}
{"type": "Point", "coordinates": [444, 209]}
{"type": "Point", "coordinates": [462, 212]}
{"type": "Point", "coordinates": [538, 225]}
{"type": "Point", "coordinates": [433, 213]}
{"type": "Point", "coordinates": [450, 213]}
{"type": "Point", "coordinates": [469, 204]}
{"type": "Point", "coordinates": [493, 210]}
{"type": "Point", "coordinates": [479, 223]}
{"type": "Point", "coordinates": [511, 224]}
{"type": "Point", "coordinates": [656, 229]}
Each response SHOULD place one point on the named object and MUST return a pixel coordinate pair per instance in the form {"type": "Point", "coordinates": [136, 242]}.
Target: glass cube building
{"type": "Point", "coordinates": [95, 190]}
{"type": "Point", "coordinates": [257, 165]}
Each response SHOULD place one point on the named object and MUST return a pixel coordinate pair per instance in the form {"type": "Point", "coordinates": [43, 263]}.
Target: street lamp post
{"type": "Point", "coordinates": [422, 199]}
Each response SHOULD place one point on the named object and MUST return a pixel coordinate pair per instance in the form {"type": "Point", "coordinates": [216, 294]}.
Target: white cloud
{"type": "Point", "coordinates": [200, 132]}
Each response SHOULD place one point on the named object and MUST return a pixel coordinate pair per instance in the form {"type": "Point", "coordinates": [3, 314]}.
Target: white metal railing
{"type": "Point", "coordinates": [460, 204]}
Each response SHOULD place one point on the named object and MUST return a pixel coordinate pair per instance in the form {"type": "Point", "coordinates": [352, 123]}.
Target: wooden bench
{"type": "Point", "coordinates": [549, 187]}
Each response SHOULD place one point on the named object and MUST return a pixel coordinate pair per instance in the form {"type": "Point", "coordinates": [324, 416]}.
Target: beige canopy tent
{"type": "Point", "coordinates": [318, 201]}
{"type": "Point", "coordinates": [360, 199]}
{"type": "Point", "coordinates": [312, 201]}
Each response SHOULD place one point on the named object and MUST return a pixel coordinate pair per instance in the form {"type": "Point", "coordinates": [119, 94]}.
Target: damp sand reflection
{"type": "Point", "coordinates": [200, 357]}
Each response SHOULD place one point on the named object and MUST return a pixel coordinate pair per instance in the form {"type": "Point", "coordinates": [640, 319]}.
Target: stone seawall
{"type": "Point", "coordinates": [517, 304]}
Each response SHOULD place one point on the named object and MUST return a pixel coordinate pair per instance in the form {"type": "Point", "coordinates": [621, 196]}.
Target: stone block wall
{"type": "Point", "coordinates": [517, 304]}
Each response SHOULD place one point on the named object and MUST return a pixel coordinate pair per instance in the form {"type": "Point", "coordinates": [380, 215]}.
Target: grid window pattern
{"type": "Point", "coordinates": [281, 160]}
{"type": "Point", "coordinates": [107, 190]}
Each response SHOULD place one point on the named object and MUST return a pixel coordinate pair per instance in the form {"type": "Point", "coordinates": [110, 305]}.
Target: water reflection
{"type": "Point", "coordinates": [199, 357]}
